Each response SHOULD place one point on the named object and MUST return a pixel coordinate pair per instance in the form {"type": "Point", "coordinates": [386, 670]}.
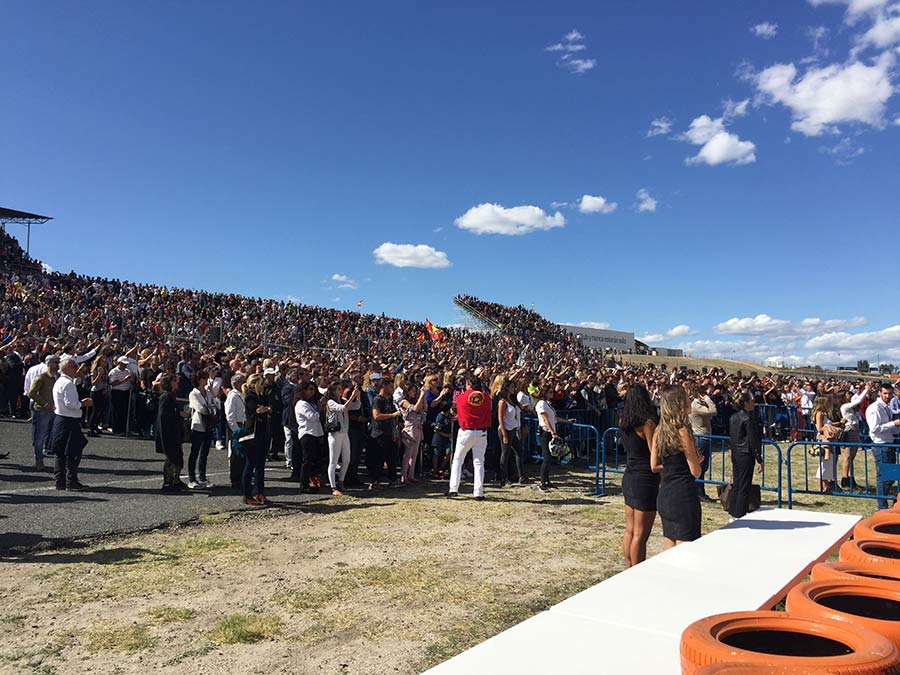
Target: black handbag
{"type": "Point", "coordinates": [753, 502]}
{"type": "Point", "coordinates": [332, 423]}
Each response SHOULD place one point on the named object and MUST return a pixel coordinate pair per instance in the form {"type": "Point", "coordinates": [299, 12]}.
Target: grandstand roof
{"type": "Point", "coordinates": [21, 217]}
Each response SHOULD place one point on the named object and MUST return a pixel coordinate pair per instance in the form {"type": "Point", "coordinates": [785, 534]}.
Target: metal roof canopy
{"type": "Point", "coordinates": [22, 218]}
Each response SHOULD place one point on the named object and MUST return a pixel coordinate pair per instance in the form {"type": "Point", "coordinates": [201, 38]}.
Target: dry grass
{"type": "Point", "coordinates": [391, 583]}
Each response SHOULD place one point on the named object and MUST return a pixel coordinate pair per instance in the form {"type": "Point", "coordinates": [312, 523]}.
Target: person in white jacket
{"type": "Point", "coordinates": [202, 414]}
{"type": "Point", "coordinates": [337, 421]}
{"type": "Point", "coordinates": [850, 415]}
{"type": "Point", "coordinates": [235, 416]}
{"type": "Point", "coordinates": [883, 431]}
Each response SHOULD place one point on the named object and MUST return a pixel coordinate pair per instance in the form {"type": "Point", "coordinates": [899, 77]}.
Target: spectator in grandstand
{"type": "Point", "coordinates": [168, 431]}
{"type": "Point", "coordinates": [703, 409]}
{"type": "Point", "coordinates": [235, 418]}
{"type": "Point", "coordinates": [256, 414]}
{"type": "Point", "coordinates": [337, 422]}
{"type": "Point", "coordinates": [746, 448]}
{"type": "Point", "coordinates": [883, 431]}
{"type": "Point", "coordinates": [66, 440]}
{"type": "Point", "coordinates": [386, 434]}
{"type": "Point", "coordinates": [509, 416]}
{"type": "Point", "coordinates": [640, 485]}
{"type": "Point", "coordinates": [310, 435]}
{"type": "Point", "coordinates": [120, 382]}
{"type": "Point", "coordinates": [673, 453]}
{"type": "Point", "coordinates": [412, 411]}
{"type": "Point", "coordinates": [202, 419]}
{"type": "Point", "coordinates": [41, 395]}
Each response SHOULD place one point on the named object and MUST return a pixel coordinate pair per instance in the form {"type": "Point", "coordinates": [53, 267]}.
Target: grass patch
{"type": "Point", "coordinates": [192, 653]}
{"type": "Point", "coordinates": [213, 518]}
{"type": "Point", "coordinates": [16, 620]}
{"type": "Point", "coordinates": [160, 616]}
{"type": "Point", "coordinates": [245, 629]}
{"type": "Point", "coordinates": [129, 639]}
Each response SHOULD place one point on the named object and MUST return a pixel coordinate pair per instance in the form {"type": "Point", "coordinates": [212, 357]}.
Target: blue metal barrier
{"type": "Point", "coordinates": [852, 492]}
{"type": "Point", "coordinates": [720, 445]}
{"type": "Point", "coordinates": [612, 460]}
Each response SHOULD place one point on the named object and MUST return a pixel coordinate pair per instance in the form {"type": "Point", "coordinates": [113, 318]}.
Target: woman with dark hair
{"type": "Point", "coordinates": [411, 435]}
{"type": "Point", "coordinates": [310, 434]}
{"type": "Point", "coordinates": [202, 416]}
{"type": "Point", "coordinates": [674, 454]}
{"type": "Point", "coordinates": [547, 421]}
{"type": "Point", "coordinates": [746, 448]}
{"type": "Point", "coordinates": [640, 485]}
{"type": "Point", "coordinates": [168, 433]}
{"type": "Point", "coordinates": [509, 416]}
{"type": "Point", "coordinates": [256, 417]}
{"type": "Point", "coordinates": [338, 419]}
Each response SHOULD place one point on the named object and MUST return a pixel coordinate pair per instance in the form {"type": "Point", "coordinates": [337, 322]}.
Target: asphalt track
{"type": "Point", "coordinates": [124, 476]}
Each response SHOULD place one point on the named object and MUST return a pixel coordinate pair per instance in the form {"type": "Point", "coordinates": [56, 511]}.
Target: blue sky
{"type": "Point", "coordinates": [720, 176]}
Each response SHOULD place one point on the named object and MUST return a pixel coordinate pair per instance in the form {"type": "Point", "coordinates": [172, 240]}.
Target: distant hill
{"type": "Point", "coordinates": [728, 365]}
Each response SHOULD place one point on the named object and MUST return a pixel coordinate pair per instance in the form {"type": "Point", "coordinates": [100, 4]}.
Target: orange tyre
{"type": "Point", "coordinates": [883, 525]}
{"type": "Point", "coordinates": [871, 552]}
{"type": "Point", "coordinates": [779, 640]}
{"type": "Point", "coordinates": [855, 570]}
{"type": "Point", "coordinates": [865, 602]}
{"type": "Point", "coordinates": [748, 669]}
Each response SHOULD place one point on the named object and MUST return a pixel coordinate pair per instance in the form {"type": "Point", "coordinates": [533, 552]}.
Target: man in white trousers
{"type": "Point", "coordinates": [473, 410]}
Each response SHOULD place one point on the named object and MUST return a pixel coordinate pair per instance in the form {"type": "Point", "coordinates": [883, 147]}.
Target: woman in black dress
{"type": "Point", "coordinates": [674, 453]}
{"type": "Point", "coordinates": [639, 484]}
{"type": "Point", "coordinates": [169, 430]}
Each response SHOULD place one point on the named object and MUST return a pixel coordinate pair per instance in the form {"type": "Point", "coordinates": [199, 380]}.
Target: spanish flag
{"type": "Point", "coordinates": [433, 331]}
{"type": "Point", "coordinates": [420, 337]}
{"type": "Point", "coordinates": [359, 304]}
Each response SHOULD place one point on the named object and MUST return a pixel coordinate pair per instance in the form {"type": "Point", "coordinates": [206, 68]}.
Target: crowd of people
{"type": "Point", "coordinates": [329, 392]}
{"type": "Point", "coordinates": [514, 320]}
{"type": "Point", "coordinates": [13, 256]}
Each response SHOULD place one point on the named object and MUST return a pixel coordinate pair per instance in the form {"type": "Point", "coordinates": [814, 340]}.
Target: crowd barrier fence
{"type": "Point", "coordinates": [612, 461]}
{"type": "Point", "coordinates": [852, 492]}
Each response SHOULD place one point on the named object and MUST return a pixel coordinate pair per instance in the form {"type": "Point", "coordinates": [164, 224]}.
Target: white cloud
{"type": "Point", "coordinates": [46, 268]}
{"type": "Point", "coordinates": [855, 8]}
{"type": "Point", "coordinates": [844, 151]}
{"type": "Point", "coordinates": [719, 146]}
{"type": "Point", "coordinates": [438, 229]}
{"type": "Point", "coordinates": [645, 201]}
{"type": "Point", "coordinates": [823, 98]}
{"type": "Point", "coordinates": [560, 205]}
{"type": "Point", "coordinates": [763, 324]}
{"type": "Point", "coordinates": [884, 32]}
{"type": "Point", "coordinates": [410, 255]}
{"type": "Point", "coordinates": [765, 30]}
{"type": "Point", "coordinates": [679, 331]}
{"type": "Point", "coordinates": [897, 121]}
{"type": "Point", "coordinates": [591, 204]}
{"type": "Point", "coordinates": [651, 338]}
{"type": "Point", "coordinates": [599, 325]}
{"type": "Point", "coordinates": [725, 148]}
{"type": "Point", "coordinates": [886, 339]}
{"type": "Point", "coordinates": [659, 127]}
{"type": "Point", "coordinates": [572, 43]}
{"type": "Point", "coordinates": [496, 219]}
{"type": "Point", "coordinates": [343, 281]}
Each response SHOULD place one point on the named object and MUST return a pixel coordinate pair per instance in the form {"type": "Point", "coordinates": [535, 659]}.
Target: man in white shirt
{"type": "Point", "coordinates": [121, 379]}
{"type": "Point", "coordinates": [882, 430]}
{"type": "Point", "coordinates": [235, 416]}
{"type": "Point", "coordinates": [66, 440]}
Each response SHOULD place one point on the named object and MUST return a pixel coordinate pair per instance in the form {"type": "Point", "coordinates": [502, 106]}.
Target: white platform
{"type": "Point", "coordinates": [632, 622]}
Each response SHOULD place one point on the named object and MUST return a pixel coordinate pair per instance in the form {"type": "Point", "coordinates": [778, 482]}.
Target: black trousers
{"type": "Point", "coordinates": [358, 434]}
{"type": "Point", "coordinates": [276, 432]}
{"type": "Point", "coordinates": [120, 410]}
{"type": "Point", "coordinates": [98, 407]}
{"type": "Point", "coordinates": [67, 443]}
{"type": "Point", "coordinates": [514, 447]}
{"type": "Point", "coordinates": [545, 450]}
{"type": "Point", "coordinates": [310, 453]}
{"type": "Point", "coordinates": [742, 477]}
{"type": "Point", "coordinates": [236, 469]}
{"type": "Point", "coordinates": [385, 452]}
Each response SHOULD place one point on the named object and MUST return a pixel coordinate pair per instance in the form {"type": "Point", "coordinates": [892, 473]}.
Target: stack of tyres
{"type": "Point", "coordinates": [780, 641]}
{"type": "Point", "coordinates": [854, 570]}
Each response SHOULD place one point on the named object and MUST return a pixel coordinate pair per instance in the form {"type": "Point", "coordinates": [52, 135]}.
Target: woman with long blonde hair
{"type": "Point", "coordinates": [674, 454]}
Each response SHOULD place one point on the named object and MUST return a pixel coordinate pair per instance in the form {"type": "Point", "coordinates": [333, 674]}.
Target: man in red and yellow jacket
{"type": "Point", "coordinates": [473, 409]}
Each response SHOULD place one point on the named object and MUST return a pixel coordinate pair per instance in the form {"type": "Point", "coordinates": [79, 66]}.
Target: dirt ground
{"type": "Point", "coordinates": [393, 583]}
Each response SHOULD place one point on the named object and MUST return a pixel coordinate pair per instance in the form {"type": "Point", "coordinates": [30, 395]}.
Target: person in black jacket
{"type": "Point", "coordinates": [288, 420]}
{"type": "Point", "coordinates": [746, 448]}
{"type": "Point", "coordinates": [169, 431]}
{"type": "Point", "coordinates": [257, 413]}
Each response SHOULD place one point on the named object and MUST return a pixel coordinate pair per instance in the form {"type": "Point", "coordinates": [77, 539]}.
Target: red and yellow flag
{"type": "Point", "coordinates": [434, 332]}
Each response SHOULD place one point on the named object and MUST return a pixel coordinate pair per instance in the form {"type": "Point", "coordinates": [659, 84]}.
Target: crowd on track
{"type": "Point", "coordinates": [344, 396]}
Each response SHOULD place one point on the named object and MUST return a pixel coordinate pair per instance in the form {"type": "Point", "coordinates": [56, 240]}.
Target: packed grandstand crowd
{"type": "Point", "coordinates": [159, 334]}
